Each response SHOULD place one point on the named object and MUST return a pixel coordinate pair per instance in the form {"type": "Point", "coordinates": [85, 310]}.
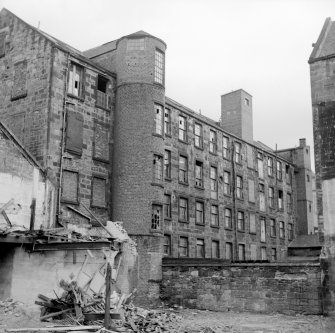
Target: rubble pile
{"type": "Point", "coordinates": [9, 306]}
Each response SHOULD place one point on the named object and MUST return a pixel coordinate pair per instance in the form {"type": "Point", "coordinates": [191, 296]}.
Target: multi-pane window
{"type": "Point", "coordinates": [102, 96]}
{"type": "Point", "coordinates": [183, 247]}
{"type": "Point", "coordinates": [167, 245]}
{"type": "Point", "coordinates": [273, 254]}
{"type": "Point", "coordinates": [215, 249]}
{"type": "Point", "coordinates": [261, 193]}
{"type": "Point", "coordinates": [288, 175]}
{"type": "Point", "coordinates": [279, 171]}
{"type": "Point", "coordinates": [75, 84]}
{"type": "Point", "coordinates": [280, 199]}
{"type": "Point", "coordinates": [281, 229]}
{"type": "Point", "coordinates": [183, 169]}
{"type": "Point", "coordinates": [158, 169]}
{"type": "Point", "coordinates": [158, 119]}
{"type": "Point", "coordinates": [167, 164]}
{"type": "Point", "coordinates": [200, 253]}
{"type": "Point", "coordinates": [199, 175]}
{"type": "Point", "coordinates": [214, 215]}
{"type": "Point", "coordinates": [271, 197]}
{"type": "Point", "coordinates": [252, 223]}
{"type": "Point", "coordinates": [289, 202]}
{"type": "Point", "coordinates": [241, 252]}
{"type": "Point", "coordinates": [167, 206]}
{"type": "Point", "coordinates": [260, 165]}
{"type": "Point", "coordinates": [183, 209]}
{"type": "Point", "coordinates": [238, 153]}
{"type": "Point", "coordinates": [227, 218]}
{"type": "Point", "coordinates": [239, 187]}
{"type": "Point", "coordinates": [182, 125]}
{"type": "Point", "coordinates": [167, 121]}
{"type": "Point", "coordinates": [240, 221]}
{"type": "Point", "coordinates": [270, 166]}
{"type": "Point", "coordinates": [198, 135]}
{"type": "Point", "coordinates": [263, 253]}
{"type": "Point", "coordinates": [214, 182]}
{"type": "Point", "coordinates": [159, 67]}
{"type": "Point", "coordinates": [263, 230]}
{"type": "Point", "coordinates": [229, 251]}
{"type": "Point", "coordinates": [199, 212]}
{"type": "Point", "coordinates": [136, 44]}
{"type": "Point", "coordinates": [290, 231]}
{"type": "Point", "coordinates": [273, 228]}
{"type": "Point", "coordinates": [226, 182]}
{"type": "Point", "coordinates": [156, 216]}
{"type": "Point", "coordinates": [212, 142]}
{"type": "Point", "coordinates": [98, 192]}
{"type": "Point", "coordinates": [225, 147]}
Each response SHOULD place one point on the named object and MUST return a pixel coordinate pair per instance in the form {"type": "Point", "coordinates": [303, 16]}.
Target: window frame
{"type": "Point", "coordinates": [281, 229]}
{"type": "Point", "coordinates": [241, 247]}
{"type": "Point", "coordinates": [183, 173]}
{"type": "Point", "coordinates": [271, 196]}
{"type": "Point", "coordinates": [167, 164]}
{"type": "Point", "coordinates": [229, 245]}
{"type": "Point", "coordinates": [228, 222]}
{"type": "Point", "coordinates": [153, 221]}
{"type": "Point", "coordinates": [240, 221]}
{"type": "Point", "coordinates": [199, 182]}
{"type": "Point", "coordinates": [158, 119]}
{"type": "Point", "coordinates": [81, 74]}
{"type": "Point", "coordinates": [212, 142]}
{"type": "Point", "coordinates": [182, 128]}
{"type": "Point", "coordinates": [226, 184]}
{"type": "Point", "coordinates": [157, 171]}
{"type": "Point", "coordinates": [181, 218]}
{"type": "Point", "coordinates": [290, 232]}
{"type": "Point", "coordinates": [167, 123]}
{"type": "Point", "coordinates": [105, 97]}
{"type": "Point", "coordinates": [270, 166]}
{"type": "Point", "coordinates": [239, 187]}
{"type": "Point", "coordinates": [183, 246]}
{"type": "Point", "coordinates": [273, 228]}
{"type": "Point", "coordinates": [167, 245]}
{"type": "Point", "coordinates": [198, 138]}
{"type": "Point", "coordinates": [200, 247]}
{"type": "Point", "coordinates": [279, 170]}
{"type": "Point", "coordinates": [214, 216]}
{"type": "Point", "coordinates": [238, 152]}
{"type": "Point", "coordinates": [213, 177]}
{"type": "Point", "coordinates": [159, 67]}
{"type": "Point", "coordinates": [225, 147]}
{"type": "Point", "coordinates": [202, 203]}
{"type": "Point", "coordinates": [167, 206]}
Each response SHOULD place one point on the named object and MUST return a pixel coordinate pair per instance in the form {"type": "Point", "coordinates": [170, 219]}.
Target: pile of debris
{"type": "Point", "coordinates": [8, 306]}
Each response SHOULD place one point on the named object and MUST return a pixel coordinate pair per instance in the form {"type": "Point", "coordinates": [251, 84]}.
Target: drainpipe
{"type": "Point", "coordinates": [234, 217]}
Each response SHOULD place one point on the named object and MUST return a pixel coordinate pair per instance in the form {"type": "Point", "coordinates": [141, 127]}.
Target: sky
{"type": "Point", "coordinates": [213, 47]}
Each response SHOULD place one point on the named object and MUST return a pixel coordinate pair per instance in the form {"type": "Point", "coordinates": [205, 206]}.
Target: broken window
{"type": "Point", "coordinates": [239, 187]}
{"type": "Point", "coordinates": [200, 248]}
{"type": "Point", "coordinates": [182, 128]}
{"type": "Point", "coordinates": [215, 249]}
{"type": "Point", "coordinates": [159, 66]}
{"type": "Point", "coordinates": [273, 254]}
{"type": "Point", "coordinates": [271, 197]}
{"type": "Point", "coordinates": [289, 203]}
{"type": "Point", "coordinates": [167, 206]}
{"type": "Point", "coordinates": [167, 164]}
{"type": "Point", "coordinates": [214, 216]}
{"type": "Point", "coordinates": [167, 245]}
{"type": "Point", "coordinates": [167, 121]}
{"type": "Point", "coordinates": [75, 83]}
{"type": "Point", "coordinates": [240, 221]}
{"type": "Point", "coordinates": [238, 153]}
{"type": "Point", "coordinates": [158, 119]}
{"type": "Point", "coordinates": [252, 223]}
{"type": "Point", "coordinates": [70, 182]}
{"type": "Point", "coordinates": [19, 89]}
{"type": "Point", "coordinates": [281, 229]}
{"type": "Point", "coordinates": [229, 251]}
{"type": "Point", "coordinates": [156, 217]}
{"type": "Point", "coordinates": [212, 142]}
{"type": "Point", "coordinates": [102, 96]}
{"type": "Point", "coordinates": [183, 247]}
{"type": "Point", "coordinates": [74, 133]}
{"type": "Point", "coordinates": [290, 231]}
{"type": "Point", "coordinates": [270, 166]}
{"type": "Point", "coordinates": [225, 147]}
{"type": "Point", "coordinates": [183, 169]}
{"type": "Point", "coordinates": [98, 192]}
{"type": "Point", "coordinates": [199, 212]}
{"type": "Point", "coordinates": [263, 253]}
{"type": "Point", "coordinates": [214, 183]}
{"type": "Point", "coordinates": [241, 252]}
{"type": "Point", "coordinates": [226, 183]}
{"type": "Point", "coordinates": [273, 231]}
{"type": "Point", "coordinates": [263, 230]}
{"type": "Point", "coordinates": [260, 165]}
{"type": "Point", "coordinates": [101, 142]}
{"type": "Point", "coordinates": [157, 169]}
{"type": "Point", "coordinates": [183, 209]}
{"type": "Point", "coordinates": [198, 135]}
{"type": "Point", "coordinates": [280, 200]}
{"type": "Point", "coordinates": [279, 171]}
{"type": "Point", "coordinates": [261, 189]}
{"type": "Point", "coordinates": [227, 218]}
{"type": "Point", "coordinates": [199, 174]}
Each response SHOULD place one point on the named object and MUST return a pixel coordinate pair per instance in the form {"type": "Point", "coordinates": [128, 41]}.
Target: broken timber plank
{"type": "Point", "coordinates": [6, 218]}
{"type": "Point", "coordinates": [56, 328]}
{"type": "Point", "coordinates": [54, 314]}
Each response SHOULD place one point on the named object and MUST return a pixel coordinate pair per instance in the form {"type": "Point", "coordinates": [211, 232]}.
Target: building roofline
{"type": "Point", "coordinates": [234, 91]}
{"type": "Point", "coordinates": [140, 34]}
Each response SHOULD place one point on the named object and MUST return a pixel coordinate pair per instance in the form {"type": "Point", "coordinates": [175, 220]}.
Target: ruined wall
{"type": "Point", "coordinates": [284, 288]}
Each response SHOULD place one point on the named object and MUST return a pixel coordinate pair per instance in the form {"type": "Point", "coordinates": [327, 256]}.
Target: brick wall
{"type": "Point", "coordinates": [284, 288]}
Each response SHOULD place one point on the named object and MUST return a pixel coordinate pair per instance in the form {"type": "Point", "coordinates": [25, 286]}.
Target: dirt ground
{"type": "Point", "coordinates": [17, 315]}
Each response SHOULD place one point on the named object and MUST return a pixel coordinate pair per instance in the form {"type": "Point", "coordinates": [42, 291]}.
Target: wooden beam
{"type": "Point", "coordinates": [107, 321]}
{"type": "Point", "coordinates": [56, 328]}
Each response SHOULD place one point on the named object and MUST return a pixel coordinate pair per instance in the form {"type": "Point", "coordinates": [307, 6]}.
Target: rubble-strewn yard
{"type": "Point", "coordinates": [17, 315]}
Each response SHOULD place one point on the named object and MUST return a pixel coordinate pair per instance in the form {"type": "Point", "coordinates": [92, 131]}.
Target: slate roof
{"type": "Point", "coordinates": [305, 241]}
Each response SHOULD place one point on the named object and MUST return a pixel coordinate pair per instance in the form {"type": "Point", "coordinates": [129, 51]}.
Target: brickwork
{"type": "Point", "coordinates": [283, 288]}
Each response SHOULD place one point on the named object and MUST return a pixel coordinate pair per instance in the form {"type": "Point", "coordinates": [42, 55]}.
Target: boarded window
{"type": "Point", "coordinates": [20, 80]}
{"type": "Point", "coordinates": [253, 252]}
{"type": "Point", "coordinates": [250, 157]}
{"type": "Point", "coordinates": [70, 181]}
{"type": "Point", "coordinates": [99, 192]}
{"type": "Point", "coordinates": [74, 133]}
{"type": "Point", "coordinates": [252, 223]}
{"type": "Point", "coordinates": [75, 84]}
{"type": "Point", "coordinates": [101, 142]}
{"type": "Point", "coordinates": [263, 232]}
{"type": "Point", "coordinates": [2, 44]}
{"type": "Point", "coordinates": [251, 190]}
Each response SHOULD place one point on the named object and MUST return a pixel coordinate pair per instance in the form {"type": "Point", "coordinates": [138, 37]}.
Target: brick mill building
{"type": "Point", "coordinates": [184, 185]}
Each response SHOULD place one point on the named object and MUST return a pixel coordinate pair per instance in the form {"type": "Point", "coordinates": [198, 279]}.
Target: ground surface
{"type": "Point", "coordinates": [18, 315]}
